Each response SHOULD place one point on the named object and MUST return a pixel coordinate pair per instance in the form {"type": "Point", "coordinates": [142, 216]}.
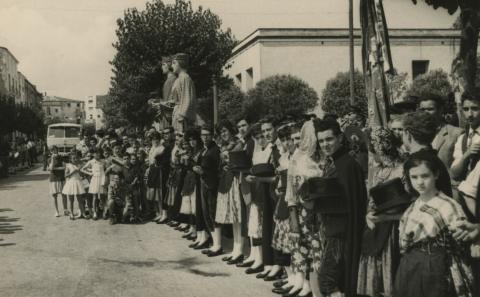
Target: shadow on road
{"type": "Point", "coordinates": [8, 226]}
{"type": "Point", "coordinates": [12, 181]}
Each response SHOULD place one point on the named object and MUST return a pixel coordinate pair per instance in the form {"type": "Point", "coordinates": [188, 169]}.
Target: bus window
{"type": "Point", "coordinates": [72, 132]}
{"type": "Point", "coordinates": [57, 132]}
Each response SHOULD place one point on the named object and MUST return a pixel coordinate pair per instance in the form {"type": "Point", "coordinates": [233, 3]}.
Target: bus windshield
{"type": "Point", "coordinates": [72, 132]}
{"type": "Point", "coordinates": [64, 132]}
{"type": "Point", "coordinates": [57, 132]}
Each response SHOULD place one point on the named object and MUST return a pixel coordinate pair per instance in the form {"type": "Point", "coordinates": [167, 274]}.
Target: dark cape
{"type": "Point", "coordinates": [352, 179]}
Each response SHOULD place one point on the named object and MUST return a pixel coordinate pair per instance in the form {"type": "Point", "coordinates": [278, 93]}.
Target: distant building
{"type": "Point", "coordinates": [9, 82]}
{"type": "Point", "coordinates": [63, 109]}
{"type": "Point", "coordinates": [94, 112]}
{"type": "Point", "coordinates": [317, 55]}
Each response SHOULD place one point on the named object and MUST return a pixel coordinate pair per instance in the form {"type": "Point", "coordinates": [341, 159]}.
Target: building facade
{"type": "Point", "coordinates": [93, 110]}
{"type": "Point", "coordinates": [317, 55]}
{"type": "Point", "coordinates": [60, 109]}
{"type": "Point", "coordinates": [9, 78]}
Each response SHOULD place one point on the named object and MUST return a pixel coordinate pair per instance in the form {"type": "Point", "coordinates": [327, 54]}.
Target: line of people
{"type": "Point", "coordinates": [295, 192]}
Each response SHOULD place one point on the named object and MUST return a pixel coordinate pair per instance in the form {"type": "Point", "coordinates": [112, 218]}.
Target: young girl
{"type": "Point", "coordinates": [96, 169]}
{"type": "Point", "coordinates": [73, 186]}
{"type": "Point", "coordinates": [57, 180]}
{"type": "Point", "coordinates": [433, 263]}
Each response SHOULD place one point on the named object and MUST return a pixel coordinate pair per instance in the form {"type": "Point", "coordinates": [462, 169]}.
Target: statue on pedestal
{"type": "Point", "coordinates": [183, 95]}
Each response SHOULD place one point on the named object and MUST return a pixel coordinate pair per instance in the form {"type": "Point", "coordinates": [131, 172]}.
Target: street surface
{"type": "Point", "coordinates": [41, 255]}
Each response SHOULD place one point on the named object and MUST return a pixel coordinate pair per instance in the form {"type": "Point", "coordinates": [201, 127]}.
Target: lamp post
{"type": "Point", "coordinates": [215, 102]}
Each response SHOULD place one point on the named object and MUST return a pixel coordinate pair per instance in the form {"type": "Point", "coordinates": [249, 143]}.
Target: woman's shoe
{"type": "Point", "coordinates": [293, 294]}
{"type": "Point", "coordinates": [279, 284]}
{"type": "Point", "coordinates": [227, 258]}
{"type": "Point", "coordinates": [275, 277]}
{"type": "Point", "coordinates": [186, 235]}
{"type": "Point", "coordinates": [282, 291]}
{"type": "Point", "coordinates": [262, 275]}
{"type": "Point", "coordinates": [192, 237]}
{"type": "Point", "coordinates": [216, 253]}
{"type": "Point", "coordinates": [310, 294]}
{"type": "Point", "coordinates": [254, 270]}
{"type": "Point", "coordinates": [245, 264]}
{"type": "Point", "coordinates": [239, 259]}
{"type": "Point", "coordinates": [203, 245]}
{"type": "Point", "coordinates": [193, 245]}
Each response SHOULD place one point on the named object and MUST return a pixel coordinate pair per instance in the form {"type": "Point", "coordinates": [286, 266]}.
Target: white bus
{"type": "Point", "coordinates": [64, 136]}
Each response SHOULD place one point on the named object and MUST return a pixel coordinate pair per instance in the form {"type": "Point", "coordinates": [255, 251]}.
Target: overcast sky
{"type": "Point", "coordinates": [64, 46]}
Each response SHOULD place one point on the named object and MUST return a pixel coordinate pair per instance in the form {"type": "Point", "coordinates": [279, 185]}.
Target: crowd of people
{"type": "Point", "coordinates": [18, 155]}
{"type": "Point", "coordinates": [297, 194]}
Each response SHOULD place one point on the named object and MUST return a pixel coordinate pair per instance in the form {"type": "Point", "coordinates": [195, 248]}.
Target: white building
{"type": "Point", "coordinates": [317, 55]}
{"type": "Point", "coordinates": [94, 112]}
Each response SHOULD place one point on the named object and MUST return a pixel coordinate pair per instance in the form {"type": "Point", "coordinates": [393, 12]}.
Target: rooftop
{"type": "Point", "coordinates": [9, 52]}
{"type": "Point", "coordinates": [60, 99]}
{"type": "Point", "coordinates": [338, 33]}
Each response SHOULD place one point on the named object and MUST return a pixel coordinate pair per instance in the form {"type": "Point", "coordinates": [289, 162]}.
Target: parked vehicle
{"type": "Point", "coordinates": [64, 136]}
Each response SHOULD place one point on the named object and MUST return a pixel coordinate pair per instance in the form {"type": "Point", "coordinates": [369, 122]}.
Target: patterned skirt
{"type": "Point", "coordinates": [229, 205]}
{"type": "Point", "coordinates": [56, 187]}
{"type": "Point", "coordinates": [281, 240]}
{"type": "Point", "coordinates": [376, 273]}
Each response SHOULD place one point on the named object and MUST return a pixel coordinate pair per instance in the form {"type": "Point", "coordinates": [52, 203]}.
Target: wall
{"type": "Point", "coordinates": [248, 59]}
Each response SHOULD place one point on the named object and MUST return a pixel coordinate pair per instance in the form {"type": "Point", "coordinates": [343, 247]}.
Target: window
{"type": "Point", "coordinates": [56, 110]}
{"type": "Point", "coordinates": [98, 116]}
{"type": "Point", "coordinates": [78, 104]}
{"type": "Point", "coordinates": [249, 78]}
{"type": "Point", "coordinates": [91, 116]}
{"type": "Point", "coordinates": [69, 105]}
{"type": "Point", "coordinates": [238, 80]}
{"type": "Point", "coordinates": [49, 112]}
{"type": "Point", "coordinates": [419, 67]}
{"type": "Point", "coordinates": [90, 101]}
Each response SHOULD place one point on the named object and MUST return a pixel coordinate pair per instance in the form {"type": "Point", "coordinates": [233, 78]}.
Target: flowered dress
{"type": "Point", "coordinates": [281, 240]}
{"type": "Point", "coordinates": [306, 246]}
{"type": "Point", "coordinates": [432, 263]}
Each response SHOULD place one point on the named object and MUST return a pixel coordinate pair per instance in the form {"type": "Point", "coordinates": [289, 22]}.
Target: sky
{"type": "Point", "coordinates": [64, 46]}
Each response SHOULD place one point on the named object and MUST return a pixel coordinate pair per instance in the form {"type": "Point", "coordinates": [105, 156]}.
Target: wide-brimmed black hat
{"type": "Point", "coordinates": [328, 194]}
{"type": "Point", "coordinates": [390, 194]}
{"type": "Point", "coordinates": [263, 170]}
{"type": "Point", "coordinates": [239, 160]}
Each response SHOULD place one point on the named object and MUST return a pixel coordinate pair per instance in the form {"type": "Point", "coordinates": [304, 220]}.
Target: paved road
{"type": "Point", "coordinates": [41, 255]}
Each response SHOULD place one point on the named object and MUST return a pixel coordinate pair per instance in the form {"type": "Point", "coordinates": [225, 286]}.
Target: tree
{"type": "Point", "coordinates": [336, 95]}
{"type": "Point", "coordinates": [434, 82]}
{"type": "Point", "coordinates": [464, 66]}
{"type": "Point", "coordinates": [159, 30]}
{"type": "Point", "coordinates": [277, 96]}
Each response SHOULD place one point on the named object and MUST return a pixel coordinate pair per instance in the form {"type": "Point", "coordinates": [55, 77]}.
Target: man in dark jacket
{"type": "Point", "coordinates": [343, 229]}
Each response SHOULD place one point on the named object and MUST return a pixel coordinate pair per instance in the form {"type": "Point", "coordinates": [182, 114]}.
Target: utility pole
{"type": "Point", "coordinates": [215, 102]}
{"type": "Point", "coordinates": [352, 52]}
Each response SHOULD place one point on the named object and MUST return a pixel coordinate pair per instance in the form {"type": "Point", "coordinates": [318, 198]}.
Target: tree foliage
{"type": "Point", "coordinates": [14, 117]}
{"type": "Point", "coordinates": [336, 95]}
{"type": "Point", "coordinates": [277, 96]}
{"type": "Point", "coordinates": [144, 36]}
{"type": "Point", "coordinates": [434, 82]}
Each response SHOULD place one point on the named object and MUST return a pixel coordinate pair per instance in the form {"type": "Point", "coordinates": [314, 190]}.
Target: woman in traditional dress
{"type": "Point", "coordinates": [229, 204]}
{"type": "Point", "coordinates": [254, 262]}
{"type": "Point", "coordinates": [433, 263]}
{"type": "Point", "coordinates": [306, 242]}
{"type": "Point", "coordinates": [381, 253]}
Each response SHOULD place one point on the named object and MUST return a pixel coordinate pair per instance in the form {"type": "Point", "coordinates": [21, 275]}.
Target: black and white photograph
{"type": "Point", "coordinates": [239, 148]}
